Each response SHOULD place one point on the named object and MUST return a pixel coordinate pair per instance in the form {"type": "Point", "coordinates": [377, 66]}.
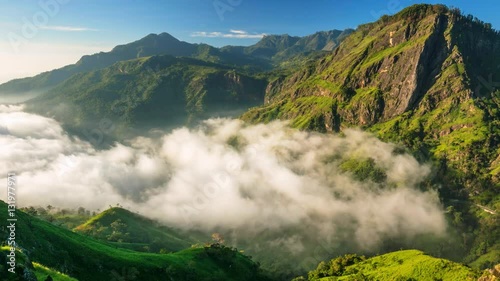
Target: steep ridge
{"type": "Point", "coordinates": [424, 78]}
{"type": "Point", "coordinates": [425, 75]}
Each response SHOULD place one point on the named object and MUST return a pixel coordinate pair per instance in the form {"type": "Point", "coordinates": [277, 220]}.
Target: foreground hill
{"type": "Point", "coordinates": [132, 230]}
{"type": "Point", "coordinates": [401, 265]}
{"type": "Point", "coordinates": [87, 259]}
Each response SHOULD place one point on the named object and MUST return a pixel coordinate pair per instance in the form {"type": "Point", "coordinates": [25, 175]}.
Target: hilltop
{"type": "Point", "coordinates": [400, 265]}
{"type": "Point", "coordinates": [135, 231]}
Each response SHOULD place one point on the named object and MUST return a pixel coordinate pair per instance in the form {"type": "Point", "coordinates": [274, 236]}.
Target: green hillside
{"type": "Point", "coordinates": [160, 91]}
{"type": "Point", "coordinates": [418, 79]}
{"type": "Point", "coordinates": [134, 231]}
{"type": "Point", "coordinates": [401, 265]}
{"type": "Point", "coordinates": [87, 259]}
{"type": "Point", "coordinates": [413, 77]}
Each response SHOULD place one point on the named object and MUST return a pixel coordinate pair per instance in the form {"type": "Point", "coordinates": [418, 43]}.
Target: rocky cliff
{"type": "Point", "coordinates": [425, 77]}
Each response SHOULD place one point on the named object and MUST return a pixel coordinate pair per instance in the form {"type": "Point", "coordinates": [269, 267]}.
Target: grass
{"type": "Point", "coordinates": [133, 231]}
{"type": "Point", "coordinates": [304, 113]}
{"type": "Point", "coordinates": [87, 259]}
{"type": "Point", "coordinates": [42, 272]}
{"type": "Point", "coordinates": [402, 265]}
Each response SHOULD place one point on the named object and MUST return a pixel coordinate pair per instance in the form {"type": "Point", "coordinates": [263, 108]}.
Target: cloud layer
{"type": "Point", "coordinates": [268, 185]}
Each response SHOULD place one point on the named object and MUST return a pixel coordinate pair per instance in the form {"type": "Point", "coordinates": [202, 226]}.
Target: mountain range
{"type": "Point", "coordinates": [264, 55]}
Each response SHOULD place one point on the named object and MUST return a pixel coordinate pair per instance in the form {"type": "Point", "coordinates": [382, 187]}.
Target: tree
{"type": "Point", "coordinates": [218, 238]}
{"type": "Point", "coordinates": [81, 211]}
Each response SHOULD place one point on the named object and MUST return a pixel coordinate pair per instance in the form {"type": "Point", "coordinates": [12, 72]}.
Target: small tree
{"type": "Point", "coordinates": [218, 238]}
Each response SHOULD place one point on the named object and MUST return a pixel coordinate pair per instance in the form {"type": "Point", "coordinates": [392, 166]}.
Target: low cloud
{"type": "Point", "coordinates": [237, 34]}
{"type": "Point", "coordinates": [263, 186]}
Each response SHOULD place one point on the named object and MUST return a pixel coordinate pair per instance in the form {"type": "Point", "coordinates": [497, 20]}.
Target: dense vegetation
{"type": "Point", "coordinates": [162, 91]}
{"type": "Point", "coordinates": [401, 265]}
{"type": "Point", "coordinates": [446, 113]}
{"type": "Point", "coordinates": [87, 259]}
{"type": "Point", "coordinates": [134, 231]}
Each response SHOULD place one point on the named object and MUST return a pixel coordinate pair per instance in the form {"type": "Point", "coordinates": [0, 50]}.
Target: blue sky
{"type": "Point", "coordinates": [67, 29]}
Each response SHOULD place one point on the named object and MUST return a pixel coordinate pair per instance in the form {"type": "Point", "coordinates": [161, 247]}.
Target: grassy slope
{"type": "Point", "coordinates": [42, 272]}
{"type": "Point", "coordinates": [88, 259]}
{"type": "Point", "coordinates": [447, 125]}
{"type": "Point", "coordinates": [405, 265]}
{"type": "Point", "coordinates": [137, 230]}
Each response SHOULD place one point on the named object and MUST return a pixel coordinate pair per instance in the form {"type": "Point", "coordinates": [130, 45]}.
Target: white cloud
{"type": "Point", "coordinates": [235, 34]}
{"type": "Point", "coordinates": [278, 190]}
{"type": "Point", "coordinates": [238, 31]}
{"type": "Point", "coordinates": [277, 185]}
{"type": "Point", "coordinates": [66, 28]}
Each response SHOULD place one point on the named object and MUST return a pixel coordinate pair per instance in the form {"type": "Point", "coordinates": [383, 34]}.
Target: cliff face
{"type": "Point", "coordinates": [425, 75]}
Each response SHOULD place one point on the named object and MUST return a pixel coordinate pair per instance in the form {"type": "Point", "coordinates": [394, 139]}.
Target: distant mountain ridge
{"type": "Point", "coordinates": [256, 58]}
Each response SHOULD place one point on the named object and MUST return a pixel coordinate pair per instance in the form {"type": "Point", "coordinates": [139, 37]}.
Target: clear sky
{"type": "Point", "coordinates": [40, 35]}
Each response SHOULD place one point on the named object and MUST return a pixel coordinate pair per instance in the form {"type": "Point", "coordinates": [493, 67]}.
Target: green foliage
{"type": "Point", "coordinates": [401, 265]}
{"type": "Point", "coordinates": [87, 259]}
{"type": "Point", "coordinates": [150, 92]}
{"type": "Point", "coordinates": [335, 267]}
{"type": "Point", "coordinates": [133, 231]}
{"type": "Point", "coordinates": [305, 112]}
{"type": "Point", "coordinates": [448, 117]}
{"type": "Point", "coordinates": [363, 170]}
{"type": "Point", "coordinates": [42, 274]}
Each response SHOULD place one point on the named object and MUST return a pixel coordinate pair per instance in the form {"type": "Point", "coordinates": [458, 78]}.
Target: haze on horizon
{"type": "Point", "coordinates": [45, 35]}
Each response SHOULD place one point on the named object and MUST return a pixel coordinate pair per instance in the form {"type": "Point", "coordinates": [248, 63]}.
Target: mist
{"type": "Point", "coordinates": [262, 186]}
{"type": "Point", "coordinates": [16, 98]}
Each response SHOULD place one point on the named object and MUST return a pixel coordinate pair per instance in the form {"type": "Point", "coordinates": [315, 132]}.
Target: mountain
{"type": "Point", "coordinates": [150, 45]}
{"type": "Point", "coordinates": [319, 41]}
{"type": "Point", "coordinates": [87, 259]}
{"type": "Point", "coordinates": [419, 76]}
{"type": "Point", "coordinates": [281, 48]}
{"type": "Point", "coordinates": [254, 58]}
{"type": "Point", "coordinates": [132, 230]}
{"type": "Point", "coordinates": [400, 265]}
{"type": "Point", "coordinates": [424, 78]}
{"type": "Point", "coordinates": [158, 91]}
